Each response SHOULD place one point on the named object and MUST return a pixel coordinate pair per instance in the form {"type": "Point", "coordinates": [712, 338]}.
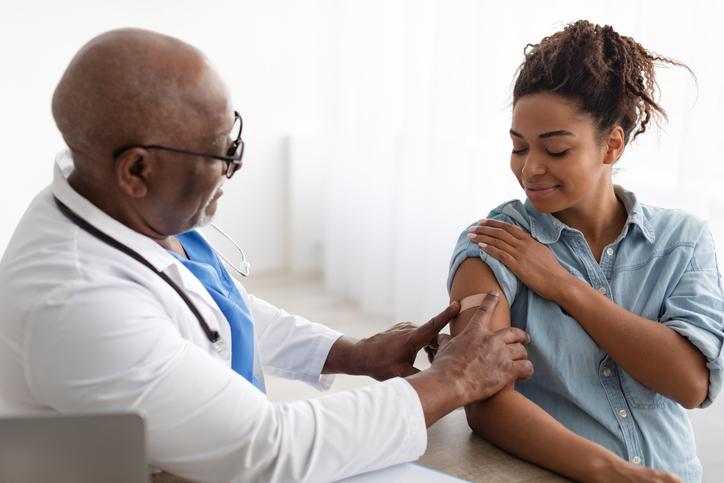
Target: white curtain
{"type": "Point", "coordinates": [415, 114]}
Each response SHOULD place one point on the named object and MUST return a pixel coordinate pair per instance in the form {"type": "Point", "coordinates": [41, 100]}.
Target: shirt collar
{"type": "Point", "coordinates": [147, 247]}
{"type": "Point", "coordinates": [547, 229]}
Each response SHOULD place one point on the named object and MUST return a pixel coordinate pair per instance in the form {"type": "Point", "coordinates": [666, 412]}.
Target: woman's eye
{"type": "Point", "coordinates": [519, 151]}
{"type": "Point", "coordinates": [558, 154]}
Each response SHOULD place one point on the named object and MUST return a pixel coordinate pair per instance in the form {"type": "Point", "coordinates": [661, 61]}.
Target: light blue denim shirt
{"type": "Point", "coordinates": [662, 267]}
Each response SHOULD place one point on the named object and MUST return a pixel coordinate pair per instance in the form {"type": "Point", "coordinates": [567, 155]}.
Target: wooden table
{"type": "Point", "coordinates": [452, 448]}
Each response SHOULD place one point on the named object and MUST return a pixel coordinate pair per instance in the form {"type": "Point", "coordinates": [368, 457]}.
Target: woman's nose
{"type": "Point", "coordinates": [532, 166]}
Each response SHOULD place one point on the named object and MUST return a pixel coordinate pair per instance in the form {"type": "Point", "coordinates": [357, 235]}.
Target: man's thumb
{"type": "Point", "coordinates": [484, 313]}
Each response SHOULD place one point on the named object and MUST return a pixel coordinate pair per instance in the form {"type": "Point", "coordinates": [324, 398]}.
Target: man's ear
{"type": "Point", "coordinates": [132, 170]}
{"type": "Point", "coordinates": [614, 145]}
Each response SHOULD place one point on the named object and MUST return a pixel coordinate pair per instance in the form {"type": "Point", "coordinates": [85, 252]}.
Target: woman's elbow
{"type": "Point", "coordinates": [696, 392]}
{"type": "Point", "coordinates": [482, 414]}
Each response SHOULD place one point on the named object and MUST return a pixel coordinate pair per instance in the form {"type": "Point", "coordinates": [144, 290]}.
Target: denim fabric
{"type": "Point", "coordinates": [663, 267]}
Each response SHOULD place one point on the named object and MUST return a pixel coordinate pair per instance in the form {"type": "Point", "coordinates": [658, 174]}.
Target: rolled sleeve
{"type": "Point", "coordinates": [465, 249]}
{"type": "Point", "coordinates": [695, 309]}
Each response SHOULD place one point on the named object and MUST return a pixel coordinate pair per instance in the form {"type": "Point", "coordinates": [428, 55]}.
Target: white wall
{"type": "Point", "coordinates": [416, 125]}
{"type": "Point", "coordinates": [266, 50]}
{"type": "Point", "coordinates": [398, 97]}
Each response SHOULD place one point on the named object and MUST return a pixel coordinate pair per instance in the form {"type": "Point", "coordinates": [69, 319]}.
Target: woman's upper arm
{"type": "Point", "coordinates": [474, 277]}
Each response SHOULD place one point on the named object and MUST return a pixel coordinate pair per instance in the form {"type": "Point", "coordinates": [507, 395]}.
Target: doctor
{"type": "Point", "coordinates": [113, 302]}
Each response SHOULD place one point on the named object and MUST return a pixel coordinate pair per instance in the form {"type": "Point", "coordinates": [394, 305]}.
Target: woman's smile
{"type": "Point", "coordinates": [535, 191]}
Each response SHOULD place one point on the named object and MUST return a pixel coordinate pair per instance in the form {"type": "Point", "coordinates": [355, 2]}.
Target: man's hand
{"type": "Point", "coordinates": [473, 365]}
{"type": "Point", "coordinates": [390, 353]}
{"type": "Point", "coordinates": [481, 360]}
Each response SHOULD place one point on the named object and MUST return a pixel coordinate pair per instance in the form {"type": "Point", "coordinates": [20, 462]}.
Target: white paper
{"type": "Point", "coordinates": [405, 473]}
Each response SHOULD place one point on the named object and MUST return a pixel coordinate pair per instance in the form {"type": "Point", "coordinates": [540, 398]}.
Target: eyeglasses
{"type": "Point", "coordinates": [232, 158]}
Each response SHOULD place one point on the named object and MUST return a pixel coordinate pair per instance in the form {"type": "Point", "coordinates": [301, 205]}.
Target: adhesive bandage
{"type": "Point", "coordinates": [471, 301]}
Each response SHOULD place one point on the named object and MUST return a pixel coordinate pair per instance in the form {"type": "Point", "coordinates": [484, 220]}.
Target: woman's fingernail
{"type": "Point", "coordinates": [471, 235]}
{"type": "Point", "coordinates": [482, 245]}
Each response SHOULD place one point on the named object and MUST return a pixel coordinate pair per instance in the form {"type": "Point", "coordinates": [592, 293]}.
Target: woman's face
{"type": "Point", "coordinates": [557, 156]}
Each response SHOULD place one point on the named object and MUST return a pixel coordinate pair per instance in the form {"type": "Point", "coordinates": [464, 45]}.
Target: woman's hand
{"type": "Point", "coordinates": [531, 261]}
{"type": "Point", "coordinates": [624, 472]}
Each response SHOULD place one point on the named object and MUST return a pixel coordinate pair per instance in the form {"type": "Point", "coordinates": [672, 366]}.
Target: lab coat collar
{"type": "Point", "coordinates": [148, 248]}
{"type": "Point", "coordinates": [151, 251]}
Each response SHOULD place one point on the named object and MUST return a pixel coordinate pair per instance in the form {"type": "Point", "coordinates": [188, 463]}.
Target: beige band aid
{"type": "Point", "coordinates": [472, 301]}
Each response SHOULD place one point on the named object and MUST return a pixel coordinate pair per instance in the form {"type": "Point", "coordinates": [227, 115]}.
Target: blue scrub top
{"type": "Point", "coordinates": [205, 265]}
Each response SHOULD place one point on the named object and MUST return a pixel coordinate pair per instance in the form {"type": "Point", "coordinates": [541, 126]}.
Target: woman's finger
{"type": "Point", "coordinates": [512, 229]}
{"type": "Point", "coordinates": [495, 242]}
{"type": "Point", "coordinates": [494, 232]}
{"type": "Point", "coordinates": [506, 258]}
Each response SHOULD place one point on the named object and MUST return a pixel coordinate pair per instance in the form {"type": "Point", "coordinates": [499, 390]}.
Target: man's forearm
{"type": "Point", "coordinates": [651, 352]}
{"type": "Point", "coordinates": [344, 358]}
{"type": "Point", "coordinates": [437, 393]}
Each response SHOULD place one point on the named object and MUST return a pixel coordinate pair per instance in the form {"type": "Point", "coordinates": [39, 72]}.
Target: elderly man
{"type": "Point", "coordinates": [112, 301]}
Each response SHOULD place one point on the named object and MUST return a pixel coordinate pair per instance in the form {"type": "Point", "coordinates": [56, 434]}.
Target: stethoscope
{"type": "Point", "coordinates": [243, 269]}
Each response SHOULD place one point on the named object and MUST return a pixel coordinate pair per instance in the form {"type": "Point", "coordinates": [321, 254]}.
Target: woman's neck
{"type": "Point", "coordinates": [601, 218]}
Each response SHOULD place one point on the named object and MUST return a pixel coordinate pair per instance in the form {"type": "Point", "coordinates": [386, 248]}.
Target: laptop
{"type": "Point", "coordinates": [78, 449]}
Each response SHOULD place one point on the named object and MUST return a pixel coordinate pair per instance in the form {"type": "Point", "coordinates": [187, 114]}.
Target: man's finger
{"type": "Point", "coordinates": [483, 314]}
{"type": "Point", "coordinates": [429, 330]}
{"type": "Point", "coordinates": [431, 353]}
{"type": "Point", "coordinates": [513, 335]}
{"type": "Point", "coordinates": [442, 340]}
{"type": "Point", "coordinates": [523, 370]}
{"type": "Point", "coordinates": [518, 352]}
{"type": "Point", "coordinates": [437, 340]}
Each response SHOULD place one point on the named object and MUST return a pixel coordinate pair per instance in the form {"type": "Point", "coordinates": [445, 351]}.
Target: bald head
{"type": "Point", "coordinates": [134, 86]}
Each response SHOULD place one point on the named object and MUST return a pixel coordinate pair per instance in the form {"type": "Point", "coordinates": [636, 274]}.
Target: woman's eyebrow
{"type": "Point", "coordinates": [560, 132]}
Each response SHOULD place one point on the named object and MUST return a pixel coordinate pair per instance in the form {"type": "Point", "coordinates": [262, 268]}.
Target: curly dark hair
{"type": "Point", "coordinates": [609, 76]}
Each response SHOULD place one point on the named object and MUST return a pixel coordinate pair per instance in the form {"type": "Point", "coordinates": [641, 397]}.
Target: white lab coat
{"type": "Point", "coordinates": [86, 329]}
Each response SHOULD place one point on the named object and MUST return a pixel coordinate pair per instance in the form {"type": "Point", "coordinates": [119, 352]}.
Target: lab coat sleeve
{"type": "Point", "coordinates": [289, 345]}
{"type": "Point", "coordinates": [204, 422]}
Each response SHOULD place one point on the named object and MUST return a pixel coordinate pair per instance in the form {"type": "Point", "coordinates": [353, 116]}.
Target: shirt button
{"type": "Point", "coordinates": [609, 251]}
{"type": "Point", "coordinates": [602, 290]}
{"type": "Point", "coordinates": [636, 460]}
{"type": "Point", "coordinates": [607, 372]}
{"type": "Point", "coordinates": [623, 413]}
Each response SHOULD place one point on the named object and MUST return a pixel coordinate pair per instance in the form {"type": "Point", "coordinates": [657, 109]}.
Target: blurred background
{"type": "Point", "coordinates": [375, 131]}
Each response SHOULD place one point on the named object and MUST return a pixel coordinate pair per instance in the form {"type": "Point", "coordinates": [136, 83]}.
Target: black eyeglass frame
{"type": "Point", "coordinates": [233, 157]}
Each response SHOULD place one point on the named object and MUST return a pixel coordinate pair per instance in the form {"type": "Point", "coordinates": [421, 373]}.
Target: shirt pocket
{"type": "Point", "coordinates": [638, 395]}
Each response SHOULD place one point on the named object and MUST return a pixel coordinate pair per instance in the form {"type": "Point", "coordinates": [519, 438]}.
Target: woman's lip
{"type": "Point", "coordinates": [538, 193]}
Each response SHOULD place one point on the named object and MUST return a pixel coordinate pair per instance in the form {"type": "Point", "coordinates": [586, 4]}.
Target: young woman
{"type": "Point", "coordinates": [622, 300]}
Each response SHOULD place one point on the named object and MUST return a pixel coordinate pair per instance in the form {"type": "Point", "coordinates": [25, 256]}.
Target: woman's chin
{"type": "Point", "coordinates": [546, 205]}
